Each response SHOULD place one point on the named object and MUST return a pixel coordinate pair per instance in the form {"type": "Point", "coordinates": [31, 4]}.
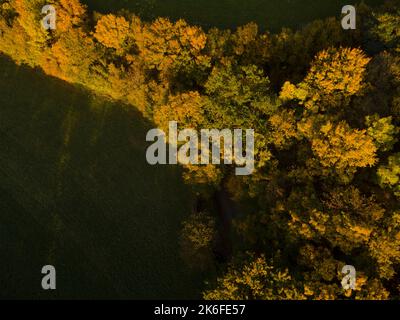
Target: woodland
{"type": "Point", "coordinates": [325, 106]}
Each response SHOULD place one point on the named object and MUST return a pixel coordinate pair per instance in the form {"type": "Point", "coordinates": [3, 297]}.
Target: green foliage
{"type": "Point", "coordinates": [389, 174]}
{"type": "Point", "coordinates": [292, 51]}
{"type": "Point", "coordinates": [382, 131]}
{"type": "Point", "coordinates": [387, 29]}
{"type": "Point", "coordinates": [238, 97]}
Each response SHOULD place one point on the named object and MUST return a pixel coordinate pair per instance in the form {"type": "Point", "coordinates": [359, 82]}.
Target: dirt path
{"type": "Point", "coordinates": [226, 211]}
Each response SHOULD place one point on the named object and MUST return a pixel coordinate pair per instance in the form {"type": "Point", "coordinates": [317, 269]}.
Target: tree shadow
{"type": "Point", "coordinates": [77, 192]}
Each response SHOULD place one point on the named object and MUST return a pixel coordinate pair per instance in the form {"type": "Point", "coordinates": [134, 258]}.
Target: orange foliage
{"type": "Point", "coordinates": [112, 31]}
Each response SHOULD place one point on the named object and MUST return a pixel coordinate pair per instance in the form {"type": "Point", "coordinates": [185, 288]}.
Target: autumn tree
{"type": "Point", "coordinates": [343, 148]}
{"type": "Point", "coordinates": [165, 43]}
{"type": "Point", "coordinates": [22, 34]}
{"type": "Point", "coordinates": [284, 128]}
{"type": "Point", "coordinates": [112, 31]}
{"type": "Point", "coordinates": [338, 71]}
{"type": "Point", "coordinates": [14, 40]}
{"type": "Point", "coordinates": [385, 246]}
{"type": "Point", "coordinates": [186, 108]}
{"type": "Point", "coordinates": [334, 76]}
{"type": "Point", "coordinates": [292, 51]}
{"type": "Point", "coordinates": [29, 17]}
{"type": "Point", "coordinates": [72, 56]}
{"type": "Point", "coordinates": [324, 281]}
{"type": "Point", "coordinates": [70, 14]}
{"type": "Point", "coordinates": [389, 174]}
{"type": "Point", "coordinates": [255, 279]}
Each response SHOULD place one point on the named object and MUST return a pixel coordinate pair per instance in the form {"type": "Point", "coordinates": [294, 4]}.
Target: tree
{"type": "Point", "coordinates": [255, 279]}
{"type": "Point", "coordinates": [386, 28]}
{"type": "Point", "coordinates": [343, 148]}
{"type": "Point", "coordinates": [250, 47]}
{"type": "Point", "coordinates": [186, 109]}
{"type": "Point", "coordinates": [71, 57]}
{"type": "Point", "coordinates": [284, 128]}
{"type": "Point", "coordinates": [344, 217]}
{"type": "Point", "coordinates": [165, 43]}
{"type": "Point", "coordinates": [29, 17]}
{"type": "Point", "coordinates": [338, 70]}
{"type": "Point", "coordinates": [291, 52]}
{"type": "Point", "coordinates": [24, 37]}
{"type": "Point", "coordinates": [382, 131]}
{"type": "Point", "coordinates": [240, 97]}
{"type": "Point", "coordinates": [239, 86]}
{"type": "Point", "coordinates": [70, 14]}
{"type": "Point", "coordinates": [389, 175]}
{"type": "Point", "coordinates": [15, 42]}
{"type": "Point", "coordinates": [203, 178]}
{"type": "Point", "coordinates": [335, 75]}
{"type": "Point", "coordinates": [112, 31]}
{"type": "Point", "coordinates": [219, 45]}
{"type": "Point", "coordinates": [197, 240]}
{"type": "Point", "coordinates": [385, 246]}
{"type": "Point", "coordinates": [7, 12]}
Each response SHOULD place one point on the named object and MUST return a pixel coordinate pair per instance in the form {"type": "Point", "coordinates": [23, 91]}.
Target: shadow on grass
{"type": "Point", "coordinates": [76, 191]}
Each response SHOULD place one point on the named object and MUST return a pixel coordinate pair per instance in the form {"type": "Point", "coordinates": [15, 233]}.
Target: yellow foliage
{"type": "Point", "coordinates": [290, 92]}
{"type": "Point", "coordinates": [70, 13]}
{"type": "Point", "coordinates": [338, 70]}
{"type": "Point", "coordinates": [29, 17]}
{"type": "Point", "coordinates": [112, 31]}
{"type": "Point", "coordinates": [284, 127]}
{"type": "Point", "coordinates": [185, 108]}
{"type": "Point", "coordinates": [163, 43]}
{"type": "Point", "coordinates": [208, 175]}
{"type": "Point", "coordinates": [255, 280]}
{"type": "Point", "coordinates": [245, 36]}
{"type": "Point", "coordinates": [341, 147]}
{"type": "Point", "coordinates": [71, 56]}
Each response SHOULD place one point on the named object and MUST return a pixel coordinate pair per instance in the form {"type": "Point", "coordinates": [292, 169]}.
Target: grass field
{"type": "Point", "coordinates": [76, 192]}
{"type": "Point", "coordinates": [271, 14]}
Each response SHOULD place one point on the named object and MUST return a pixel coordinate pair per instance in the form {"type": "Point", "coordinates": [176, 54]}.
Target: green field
{"type": "Point", "coordinates": [76, 192]}
{"type": "Point", "coordinates": [271, 14]}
